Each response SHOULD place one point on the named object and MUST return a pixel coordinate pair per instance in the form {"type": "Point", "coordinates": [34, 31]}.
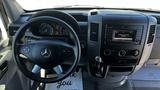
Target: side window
{"type": "Point", "coordinates": [3, 33]}
{"type": "Point", "coordinates": [0, 34]}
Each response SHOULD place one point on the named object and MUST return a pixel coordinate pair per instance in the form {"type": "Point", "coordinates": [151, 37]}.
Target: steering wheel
{"type": "Point", "coordinates": [46, 53]}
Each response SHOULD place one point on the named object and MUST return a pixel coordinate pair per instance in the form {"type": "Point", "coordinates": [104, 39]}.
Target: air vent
{"type": "Point", "coordinates": [94, 31]}
{"type": "Point", "coordinates": [158, 19]}
{"type": "Point", "coordinates": [94, 13]}
{"type": "Point", "coordinates": [13, 29]}
{"type": "Point", "coordinates": [80, 17]}
{"type": "Point", "coordinates": [151, 34]}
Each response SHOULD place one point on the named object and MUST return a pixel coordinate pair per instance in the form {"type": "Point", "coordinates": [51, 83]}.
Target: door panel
{"type": "Point", "coordinates": [10, 76]}
{"type": "Point", "coordinates": [3, 48]}
{"type": "Point", "coordinates": [7, 66]}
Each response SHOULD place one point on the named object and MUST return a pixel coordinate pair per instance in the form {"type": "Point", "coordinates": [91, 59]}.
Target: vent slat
{"type": "Point", "coordinates": [151, 34]}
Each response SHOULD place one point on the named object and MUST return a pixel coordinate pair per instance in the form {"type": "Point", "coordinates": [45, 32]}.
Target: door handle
{"type": "Point", "coordinates": [3, 68]}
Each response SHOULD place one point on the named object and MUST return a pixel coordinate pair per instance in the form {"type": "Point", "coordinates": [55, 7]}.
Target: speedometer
{"type": "Point", "coordinates": [45, 29]}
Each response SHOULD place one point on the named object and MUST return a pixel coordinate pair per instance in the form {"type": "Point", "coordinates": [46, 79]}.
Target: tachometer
{"type": "Point", "coordinates": [45, 29]}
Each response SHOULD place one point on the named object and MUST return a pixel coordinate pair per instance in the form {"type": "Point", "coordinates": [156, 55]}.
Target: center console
{"type": "Point", "coordinates": [122, 44]}
{"type": "Point", "coordinates": [118, 41]}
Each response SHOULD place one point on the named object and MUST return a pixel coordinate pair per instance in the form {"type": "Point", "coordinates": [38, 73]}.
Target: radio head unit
{"type": "Point", "coordinates": [124, 33]}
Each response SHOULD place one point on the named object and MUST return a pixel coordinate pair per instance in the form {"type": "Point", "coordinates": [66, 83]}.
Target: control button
{"type": "Point", "coordinates": [107, 52]}
{"type": "Point", "coordinates": [135, 52]}
{"type": "Point", "coordinates": [26, 50]}
{"type": "Point", "coordinates": [67, 52]}
{"type": "Point", "coordinates": [122, 53]}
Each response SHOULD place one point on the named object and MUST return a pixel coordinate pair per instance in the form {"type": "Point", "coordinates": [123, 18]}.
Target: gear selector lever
{"type": "Point", "coordinates": [98, 67]}
{"type": "Point", "coordinates": [98, 59]}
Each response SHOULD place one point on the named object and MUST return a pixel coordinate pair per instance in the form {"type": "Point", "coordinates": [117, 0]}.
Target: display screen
{"type": "Point", "coordinates": [123, 35]}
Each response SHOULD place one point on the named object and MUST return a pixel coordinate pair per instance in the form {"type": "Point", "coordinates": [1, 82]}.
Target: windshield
{"type": "Point", "coordinates": [133, 4]}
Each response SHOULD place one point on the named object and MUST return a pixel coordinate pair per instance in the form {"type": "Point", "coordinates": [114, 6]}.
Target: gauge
{"type": "Point", "coordinates": [59, 30]}
{"type": "Point", "coordinates": [45, 29]}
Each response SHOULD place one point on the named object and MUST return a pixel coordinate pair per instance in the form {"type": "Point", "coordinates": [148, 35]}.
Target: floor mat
{"type": "Point", "coordinates": [147, 78]}
{"type": "Point", "coordinates": [73, 82]}
{"type": "Point", "coordinates": [151, 73]}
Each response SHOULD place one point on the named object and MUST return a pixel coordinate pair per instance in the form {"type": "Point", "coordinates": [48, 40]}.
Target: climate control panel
{"type": "Point", "coordinates": [121, 53]}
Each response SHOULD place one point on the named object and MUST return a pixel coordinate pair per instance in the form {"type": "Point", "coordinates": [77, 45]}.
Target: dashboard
{"type": "Point", "coordinates": [122, 39]}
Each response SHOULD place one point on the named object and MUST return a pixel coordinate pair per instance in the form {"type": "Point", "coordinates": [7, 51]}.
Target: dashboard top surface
{"type": "Point", "coordinates": [84, 13]}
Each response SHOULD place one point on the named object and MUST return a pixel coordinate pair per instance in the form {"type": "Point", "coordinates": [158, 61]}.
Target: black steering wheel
{"type": "Point", "coordinates": [46, 53]}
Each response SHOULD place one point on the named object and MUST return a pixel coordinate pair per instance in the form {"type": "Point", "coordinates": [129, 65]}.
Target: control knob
{"type": "Point", "coordinates": [136, 52]}
{"type": "Point", "coordinates": [122, 53]}
{"type": "Point", "coordinates": [107, 52]}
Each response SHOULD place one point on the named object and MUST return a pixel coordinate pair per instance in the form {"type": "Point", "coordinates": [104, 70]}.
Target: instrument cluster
{"type": "Point", "coordinates": [49, 29]}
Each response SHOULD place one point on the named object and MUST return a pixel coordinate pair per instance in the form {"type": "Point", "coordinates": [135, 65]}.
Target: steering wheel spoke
{"type": "Point", "coordinates": [36, 69]}
{"type": "Point", "coordinates": [58, 69]}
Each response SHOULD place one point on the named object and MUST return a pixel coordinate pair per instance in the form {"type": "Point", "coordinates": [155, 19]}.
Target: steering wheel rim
{"type": "Point", "coordinates": [21, 65]}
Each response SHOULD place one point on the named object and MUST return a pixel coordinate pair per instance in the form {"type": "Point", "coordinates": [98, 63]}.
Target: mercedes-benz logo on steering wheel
{"type": "Point", "coordinates": [46, 53]}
